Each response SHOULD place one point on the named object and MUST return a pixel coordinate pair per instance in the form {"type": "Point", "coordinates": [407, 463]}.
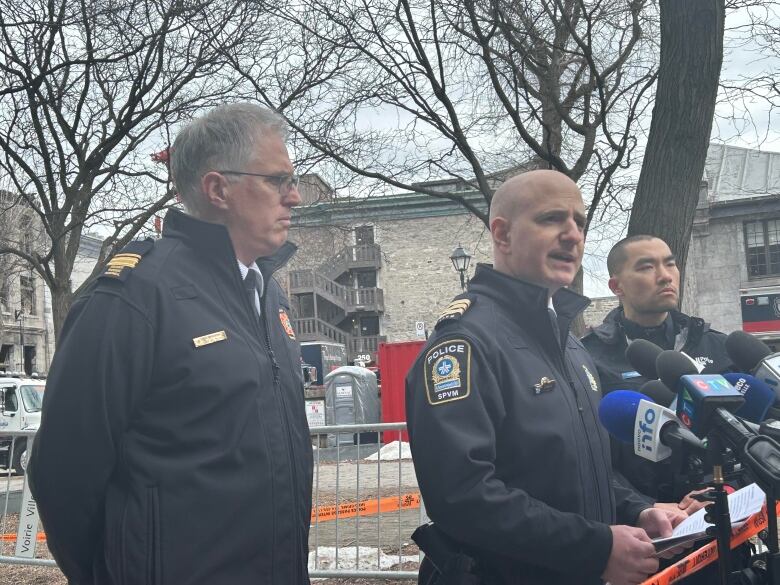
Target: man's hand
{"type": "Point", "coordinates": [659, 522]}
{"type": "Point", "coordinates": [632, 558]}
{"type": "Point", "coordinates": [689, 505]}
{"type": "Point", "coordinates": [673, 511]}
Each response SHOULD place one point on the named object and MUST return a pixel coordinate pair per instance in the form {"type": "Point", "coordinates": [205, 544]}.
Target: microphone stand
{"type": "Point", "coordinates": [718, 513]}
{"type": "Point", "coordinates": [773, 554]}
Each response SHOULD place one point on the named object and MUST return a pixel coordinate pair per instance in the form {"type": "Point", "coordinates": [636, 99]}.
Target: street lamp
{"type": "Point", "coordinates": [460, 260]}
{"type": "Point", "coordinates": [19, 316]}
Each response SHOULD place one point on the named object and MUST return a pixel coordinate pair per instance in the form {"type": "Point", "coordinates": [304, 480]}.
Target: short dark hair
{"type": "Point", "coordinates": [617, 255]}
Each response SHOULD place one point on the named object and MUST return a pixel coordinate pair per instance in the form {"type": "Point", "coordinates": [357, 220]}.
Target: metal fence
{"type": "Point", "coordinates": [365, 505]}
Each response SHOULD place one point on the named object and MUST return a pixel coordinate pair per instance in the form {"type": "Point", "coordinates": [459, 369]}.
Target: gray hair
{"type": "Point", "coordinates": [223, 138]}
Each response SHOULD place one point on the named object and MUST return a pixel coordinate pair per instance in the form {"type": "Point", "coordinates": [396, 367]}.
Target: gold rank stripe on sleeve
{"type": "Point", "coordinates": [118, 263]}
{"type": "Point", "coordinates": [455, 309]}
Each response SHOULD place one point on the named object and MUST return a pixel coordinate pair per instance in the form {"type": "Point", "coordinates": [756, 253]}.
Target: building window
{"type": "Point", "coordinates": [364, 234]}
{"type": "Point", "coordinates": [366, 279]}
{"type": "Point", "coordinates": [762, 247]}
{"type": "Point", "coordinates": [369, 326]}
{"type": "Point", "coordinates": [27, 291]}
{"type": "Point", "coordinates": [5, 295]}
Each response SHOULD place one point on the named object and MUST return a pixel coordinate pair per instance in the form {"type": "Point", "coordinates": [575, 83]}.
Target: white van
{"type": "Point", "coordinates": [20, 410]}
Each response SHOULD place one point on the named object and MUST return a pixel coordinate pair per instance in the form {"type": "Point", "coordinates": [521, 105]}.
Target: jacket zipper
{"type": "Point", "coordinates": [280, 394]}
{"type": "Point", "coordinates": [565, 370]}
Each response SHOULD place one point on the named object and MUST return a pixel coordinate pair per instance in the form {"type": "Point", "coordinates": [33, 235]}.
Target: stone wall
{"type": "Point", "coordinates": [417, 275]}
{"type": "Point", "coordinates": [598, 309]}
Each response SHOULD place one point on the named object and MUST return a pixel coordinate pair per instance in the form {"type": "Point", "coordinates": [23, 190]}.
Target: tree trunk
{"type": "Point", "coordinates": [668, 188]}
{"type": "Point", "coordinates": [60, 305]}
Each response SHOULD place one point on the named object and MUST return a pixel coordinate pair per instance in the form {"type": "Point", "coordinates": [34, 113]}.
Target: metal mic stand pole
{"type": "Point", "coordinates": [718, 512]}
{"type": "Point", "coordinates": [773, 554]}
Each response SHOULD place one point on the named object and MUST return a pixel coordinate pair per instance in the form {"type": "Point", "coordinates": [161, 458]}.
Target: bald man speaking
{"type": "Point", "coordinates": [512, 463]}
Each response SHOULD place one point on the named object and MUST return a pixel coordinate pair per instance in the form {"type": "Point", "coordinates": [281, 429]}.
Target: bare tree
{"type": "Point", "coordinates": [672, 170]}
{"type": "Point", "coordinates": [464, 90]}
{"type": "Point", "coordinates": [89, 91]}
{"type": "Point", "coordinates": [749, 96]}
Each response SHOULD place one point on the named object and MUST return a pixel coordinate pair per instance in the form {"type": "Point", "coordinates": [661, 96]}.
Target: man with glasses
{"type": "Point", "coordinates": [177, 385]}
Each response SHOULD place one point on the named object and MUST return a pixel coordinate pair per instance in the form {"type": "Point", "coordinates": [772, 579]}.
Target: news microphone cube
{"type": "Point", "coordinates": [700, 396]}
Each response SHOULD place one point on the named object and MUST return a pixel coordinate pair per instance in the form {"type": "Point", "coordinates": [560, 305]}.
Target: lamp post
{"type": "Point", "coordinates": [19, 316]}
{"type": "Point", "coordinates": [460, 260]}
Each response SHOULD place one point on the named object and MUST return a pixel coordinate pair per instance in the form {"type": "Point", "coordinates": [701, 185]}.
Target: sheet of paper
{"type": "Point", "coordinates": [743, 503]}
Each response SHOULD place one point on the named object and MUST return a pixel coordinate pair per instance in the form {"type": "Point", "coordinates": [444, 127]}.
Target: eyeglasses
{"type": "Point", "coordinates": [284, 183]}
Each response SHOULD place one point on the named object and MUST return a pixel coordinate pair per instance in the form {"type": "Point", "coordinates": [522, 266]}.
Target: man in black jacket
{"type": "Point", "coordinates": [643, 274]}
{"type": "Point", "coordinates": [177, 387]}
{"type": "Point", "coordinates": [511, 460]}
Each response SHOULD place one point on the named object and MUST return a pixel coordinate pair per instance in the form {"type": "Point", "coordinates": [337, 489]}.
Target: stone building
{"type": "Point", "coordinates": [26, 325]}
{"type": "Point", "coordinates": [373, 269]}
{"type": "Point", "coordinates": [733, 276]}
{"type": "Point", "coordinates": [27, 332]}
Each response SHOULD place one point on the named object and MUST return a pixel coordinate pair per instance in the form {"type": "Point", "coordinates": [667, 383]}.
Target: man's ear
{"type": "Point", "coordinates": [614, 286]}
{"type": "Point", "coordinates": [215, 189]}
{"type": "Point", "coordinates": [499, 231]}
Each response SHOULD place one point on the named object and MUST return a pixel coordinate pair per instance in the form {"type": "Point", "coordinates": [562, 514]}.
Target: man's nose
{"type": "Point", "coordinates": [572, 232]}
{"type": "Point", "coordinates": [664, 274]}
{"type": "Point", "coordinates": [293, 197]}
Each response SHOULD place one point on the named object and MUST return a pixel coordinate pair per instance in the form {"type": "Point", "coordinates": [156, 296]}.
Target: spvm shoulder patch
{"type": "Point", "coordinates": [456, 308]}
{"type": "Point", "coordinates": [120, 265]}
{"type": "Point", "coordinates": [447, 370]}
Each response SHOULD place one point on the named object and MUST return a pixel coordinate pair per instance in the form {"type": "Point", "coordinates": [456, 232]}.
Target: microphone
{"type": "Point", "coordinates": [704, 402]}
{"type": "Point", "coordinates": [758, 396]}
{"type": "Point", "coordinates": [754, 356]}
{"type": "Point", "coordinates": [641, 354]}
{"type": "Point", "coordinates": [658, 393]}
{"type": "Point", "coordinates": [631, 417]}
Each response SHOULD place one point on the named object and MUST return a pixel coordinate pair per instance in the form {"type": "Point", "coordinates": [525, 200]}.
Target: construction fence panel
{"type": "Point", "coordinates": [365, 505]}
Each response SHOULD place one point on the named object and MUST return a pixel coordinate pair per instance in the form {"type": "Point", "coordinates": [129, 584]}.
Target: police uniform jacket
{"type": "Point", "coordinates": [174, 446]}
{"type": "Point", "coordinates": [510, 457]}
{"type": "Point", "coordinates": [607, 345]}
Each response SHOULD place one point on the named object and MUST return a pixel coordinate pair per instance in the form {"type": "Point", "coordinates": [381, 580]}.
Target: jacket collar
{"type": "Point", "coordinates": [213, 240]}
{"type": "Point", "coordinates": [527, 302]}
{"type": "Point", "coordinates": [686, 329]}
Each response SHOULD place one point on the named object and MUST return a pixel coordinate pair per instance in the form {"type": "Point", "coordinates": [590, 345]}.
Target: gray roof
{"type": "Point", "coordinates": [733, 173]}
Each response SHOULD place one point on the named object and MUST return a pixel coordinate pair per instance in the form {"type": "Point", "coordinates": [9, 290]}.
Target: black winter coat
{"type": "Point", "coordinates": [174, 446]}
{"type": "Point", "coordinates": [607, 345]}
{"type": "Point", "coordinates": [510, 457]}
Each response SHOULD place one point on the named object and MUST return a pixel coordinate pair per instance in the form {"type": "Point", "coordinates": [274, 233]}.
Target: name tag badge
{"type": "Point", "coordinates": [209, 339]}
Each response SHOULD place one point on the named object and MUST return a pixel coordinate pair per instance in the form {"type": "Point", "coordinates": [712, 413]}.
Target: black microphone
{"type": "Point", "coordinates": [642, 354]}
{"type": "Point", "coordinates": [703, 401]}
{"type": "Point", "coordinates": [658, 392]}
{"type": "Point", "coordinates": [754, 356]}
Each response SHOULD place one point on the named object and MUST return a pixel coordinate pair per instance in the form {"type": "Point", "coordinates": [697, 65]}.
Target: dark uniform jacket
{"type": "Point", "coordinates": [174, 447]}
{"type": "Point", "coordinates": [510, 457]}
{"type": "Point", "coordinates": [607, 345]}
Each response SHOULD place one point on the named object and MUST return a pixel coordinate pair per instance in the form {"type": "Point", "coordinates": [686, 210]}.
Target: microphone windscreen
{"type": "Point", "coordinates": [758, 396]}
{"type": "Point", "coordinates": [745, 350]}
{"type": "Point", "coordinates": [641, 354]}
{"type": "Point", "coordinates": [617, 412]}
{"type": "Point", "coordinates": [672, 365]}
{"type": "Point", "coordinates": [658, 392]}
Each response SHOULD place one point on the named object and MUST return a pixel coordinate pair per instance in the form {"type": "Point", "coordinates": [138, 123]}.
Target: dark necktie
{"type": "Point", "coordinates": [250, 286]}
{"type": "Point", "coordinates": [554, 321]}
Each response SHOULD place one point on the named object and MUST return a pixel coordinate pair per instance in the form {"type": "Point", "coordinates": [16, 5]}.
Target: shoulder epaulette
{"type": "Point", "coordinates": [456, 308]}
{"type": "Point", "coordinates": [120, 265]}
